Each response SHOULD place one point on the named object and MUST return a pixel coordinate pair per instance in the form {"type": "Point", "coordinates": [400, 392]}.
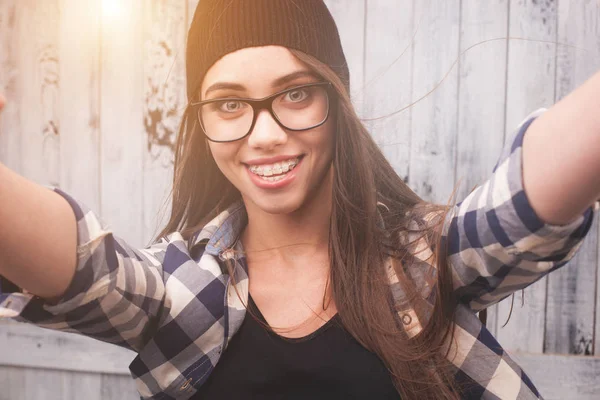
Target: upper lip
{"type": "Point", "coordinates": [270, 160]}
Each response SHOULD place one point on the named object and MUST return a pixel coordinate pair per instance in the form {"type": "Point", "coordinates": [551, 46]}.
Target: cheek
{"type": "Point", "coordinates": [325, 141]}
{"type": "Point", "coordinates": [224, 155]}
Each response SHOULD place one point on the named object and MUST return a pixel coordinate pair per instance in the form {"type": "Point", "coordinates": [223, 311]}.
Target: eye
{"type": "Point", "coordinates": [297, 95]}
{"type": "Point", "coordinates": [228, 106]}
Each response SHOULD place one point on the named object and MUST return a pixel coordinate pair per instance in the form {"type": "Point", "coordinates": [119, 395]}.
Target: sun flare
{"type": "Point", "coordinates": [112, 9]}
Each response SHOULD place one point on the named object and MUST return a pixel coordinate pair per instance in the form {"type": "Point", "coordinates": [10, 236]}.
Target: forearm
{"type": "Point", "coordinates": [38, 236]}
{"type": "Point", "coordinates": [561, 156]}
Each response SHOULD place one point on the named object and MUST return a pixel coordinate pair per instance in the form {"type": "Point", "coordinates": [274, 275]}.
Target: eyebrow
{"type": "Point", "coordinates": [276, 83]}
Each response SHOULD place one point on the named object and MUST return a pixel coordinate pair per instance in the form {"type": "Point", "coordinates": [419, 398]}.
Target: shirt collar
{"type": "Point", "coordinates": [223, 231]}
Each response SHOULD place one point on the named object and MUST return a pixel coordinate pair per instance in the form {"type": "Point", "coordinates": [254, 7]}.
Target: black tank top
{"type": "Point", "coordinates": [327, 364]}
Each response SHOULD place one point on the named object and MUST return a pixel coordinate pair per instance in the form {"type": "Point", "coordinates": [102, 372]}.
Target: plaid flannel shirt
{"type": "Point", "coordinates": [173, 304]}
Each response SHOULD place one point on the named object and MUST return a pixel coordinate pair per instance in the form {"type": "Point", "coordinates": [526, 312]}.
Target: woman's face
{"type": "Point", "coordinates": [275, 169]}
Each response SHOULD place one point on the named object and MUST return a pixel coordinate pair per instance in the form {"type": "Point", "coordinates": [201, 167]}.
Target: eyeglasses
{"type": "Point", "coordinates": [298, 108]}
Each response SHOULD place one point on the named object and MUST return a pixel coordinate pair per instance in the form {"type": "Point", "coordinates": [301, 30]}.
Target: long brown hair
{"type": "Point", "coordinates": [362, 237]}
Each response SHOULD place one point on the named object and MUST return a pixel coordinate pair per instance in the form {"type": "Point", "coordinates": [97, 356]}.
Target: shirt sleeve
{"type": "Point", "coordinates": [116, 295]}
{"type": "Point", "coordinates": [496, 242]}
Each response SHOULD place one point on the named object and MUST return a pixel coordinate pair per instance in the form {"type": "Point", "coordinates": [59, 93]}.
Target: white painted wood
{"type": "Point", "coordinates": [569, 328]}
{"type": "Point", "coordinates": [12, 382]}
{"type": "Point", "coordinates": [560, 377]}
{"type": "Point", "coordinates": [482, 87]}
{"type": "Point", "coordinates": [26, 345]}
{"type": "Point", "coordinates": [79, 68]}
{"type": "Point", "coordinates": [121, 122]}
{"type": "Point", "coordinates": [434, 119]}
{"type": "Point", "coordinates": [37, 66]}
{"type": "Point", "coordinates": [164, 103]}
{"type": "Point", "coordinates": [481, 98]}
{"type": "Point", "coordinates": [10, 46]}
{"type": "Point", "coordinates": [118, 387]}
{"type": "Point", "coordinates": [350, 20]}
{"type": "Point", "coordinates": [60, 385]}
{"type": "Point", "coordinates": [104, 65]}
{"type": "Point", "coordinates": [388, 79]}
{"type": "Point", "coordinates": [44, 384]}
{"type": "Point", "coordinates": [596, 345]}
{"type": "Point", "coordinates": [531, 73]}
{"type": "Point", "coordinates": [191, 8]}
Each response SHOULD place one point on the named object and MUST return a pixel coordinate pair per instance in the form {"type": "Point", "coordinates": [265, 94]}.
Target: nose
{"type": "Point", "coordinates": [266, 134]}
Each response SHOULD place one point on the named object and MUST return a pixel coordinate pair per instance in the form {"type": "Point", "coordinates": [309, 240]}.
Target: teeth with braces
{"type": "Point", "coordinates": [277, 169]}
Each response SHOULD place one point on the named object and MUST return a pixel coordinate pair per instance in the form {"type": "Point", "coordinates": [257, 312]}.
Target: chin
{"type": "Point", "coordinates": [277, 206]}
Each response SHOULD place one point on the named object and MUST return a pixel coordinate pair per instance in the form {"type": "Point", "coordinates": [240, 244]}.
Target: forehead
{"type": "Point", "coordinates": [255, 68]}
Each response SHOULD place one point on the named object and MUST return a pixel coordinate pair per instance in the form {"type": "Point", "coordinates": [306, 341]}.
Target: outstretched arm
{"type": "Point", "coordinates": [38, 235]}
{"type": "Point", "coordinates": [561, 156]}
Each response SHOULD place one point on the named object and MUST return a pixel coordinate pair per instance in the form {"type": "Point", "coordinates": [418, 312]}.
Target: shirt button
{"type": "Point", "coordinates": [406, 319]}
{"type": "Point", "coordinates": [186, 385]}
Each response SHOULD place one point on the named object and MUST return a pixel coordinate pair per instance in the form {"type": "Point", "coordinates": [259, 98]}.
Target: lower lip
{"type": "Point", "coordinates": [287, 179]}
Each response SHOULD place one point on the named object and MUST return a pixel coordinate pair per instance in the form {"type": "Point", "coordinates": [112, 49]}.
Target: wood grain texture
{"type": "Point", "coordinates": [388, 78]}
{"type": "Point", "coordinates": [481, 98]}
{"type": "Point", "coordinates": [29, 346]}
{"type": "Point", "coordinates": [350, 20]}
{"type": "Point", "coordinates": [530, 85]}
{"type": "Point", "coordinates": [79, 102]}
{"type": "Point", "coordinates": [112, 87]}
{"type": "Point", "coordinates": [560, 377]}
{"type": "Point", "coordinates": [569, 328]}
{"type": "Point", "coordinates": [434, 119]}
{"type": "Point", "coordinates": [12, 382]}
{"type": "Point", "coordinates": [38, 77]}
{"type": "Point", "coordinates": [164, 102]}
{"type": "Point", "coordinates": [596, 345]}
{"type": "Point", "coordinates": [121, 122]}
{"type": "Point", "coordinates": [570, 301]}
{"type": "Point", "coordinates": [118, 387]}
{"type": "Point", "coordinates": [45, 384]}
{"type": "Point", "coordinates": [10, 126]}
{"type": "Point", "coordinates": [190, 10]}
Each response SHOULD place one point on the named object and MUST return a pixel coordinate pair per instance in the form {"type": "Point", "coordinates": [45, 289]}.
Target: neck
{"type": "Point", "coordinates": [289, 237]}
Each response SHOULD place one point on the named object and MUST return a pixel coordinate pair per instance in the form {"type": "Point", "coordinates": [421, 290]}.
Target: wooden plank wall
{"type": "Point", "coordinates": [96, 88]}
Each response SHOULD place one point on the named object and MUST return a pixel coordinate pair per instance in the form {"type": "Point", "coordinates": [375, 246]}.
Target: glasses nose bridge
{"type": "Point", "coordinates": [263, 104]}
{"type": "Point", "coordinates": [261, 139]}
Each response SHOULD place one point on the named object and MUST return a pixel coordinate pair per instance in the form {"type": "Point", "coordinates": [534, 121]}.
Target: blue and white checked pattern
{"type": "Point", "coordinates": [172, 302]}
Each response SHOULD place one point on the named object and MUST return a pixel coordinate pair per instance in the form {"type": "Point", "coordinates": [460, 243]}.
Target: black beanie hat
{"type": "Point", "coordinates": [220, 27]}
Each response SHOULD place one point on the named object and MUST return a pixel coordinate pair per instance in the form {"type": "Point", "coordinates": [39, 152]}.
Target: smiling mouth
{"type": "Point", "coordinates": [276, 171]}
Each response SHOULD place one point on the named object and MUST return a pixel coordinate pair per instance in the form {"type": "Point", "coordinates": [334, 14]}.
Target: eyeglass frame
{"type": "Point", "coordinates": [266, 103]}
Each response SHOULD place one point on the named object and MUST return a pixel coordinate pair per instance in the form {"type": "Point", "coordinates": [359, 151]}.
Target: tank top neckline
{"type": "Point", "coordinates": [331, 322]}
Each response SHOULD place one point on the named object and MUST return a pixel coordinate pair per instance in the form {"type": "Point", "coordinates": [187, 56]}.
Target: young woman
{"type": "Point", "coordinates": [296, 264]}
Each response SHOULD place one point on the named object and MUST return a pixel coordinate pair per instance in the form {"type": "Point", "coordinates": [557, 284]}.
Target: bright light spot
{"type": "Point", "coordinates": [112, 8]}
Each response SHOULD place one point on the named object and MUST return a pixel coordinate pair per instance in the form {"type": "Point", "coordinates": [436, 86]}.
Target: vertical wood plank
{"type": "Point", "coordinates": [570, 307]}
{"type": "Point", "coordinates": [388, 78]}
{"type": "Point", "coordinates": [191, 9]}
{"type": "Point", "coordinates": [12, 382]}
{"type": "Point", "coordinates": [530, 85]}
{"type": "Point", "coordinates": [77, 385]}
{"type": "Point", "coordinates": [560, 377]}
{"type": "Point", "coordinates": [47, 384]}
{"type": "Point", "coordinates": [39, 88]}
{"type": "Point", "coordinates": [79, 103]}
{"type": "Point", "coordinates": [350, 20]}
{"type": "Point", "coordinates": [121, 121]}
{"type": "Point", "coordinates": [596, 340]}
{"type": "Point", "coordinates": [482, 89]}
{"type": "Point", "coordinates": [116, 387]}
{"type": "Point", "coordinates": [10, 46]}
{"type": "Point", "coordinates": [481, 98]}
{"type": "Point", "coordinates": [434, 119]}
{"type": "Point", "coordinates": [32, 383]}
{"type": "Point", "coordinates": [164, 103]}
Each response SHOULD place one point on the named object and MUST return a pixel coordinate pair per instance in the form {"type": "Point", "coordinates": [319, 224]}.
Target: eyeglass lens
{"type": "Point", "coordinates": [297, 109]}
